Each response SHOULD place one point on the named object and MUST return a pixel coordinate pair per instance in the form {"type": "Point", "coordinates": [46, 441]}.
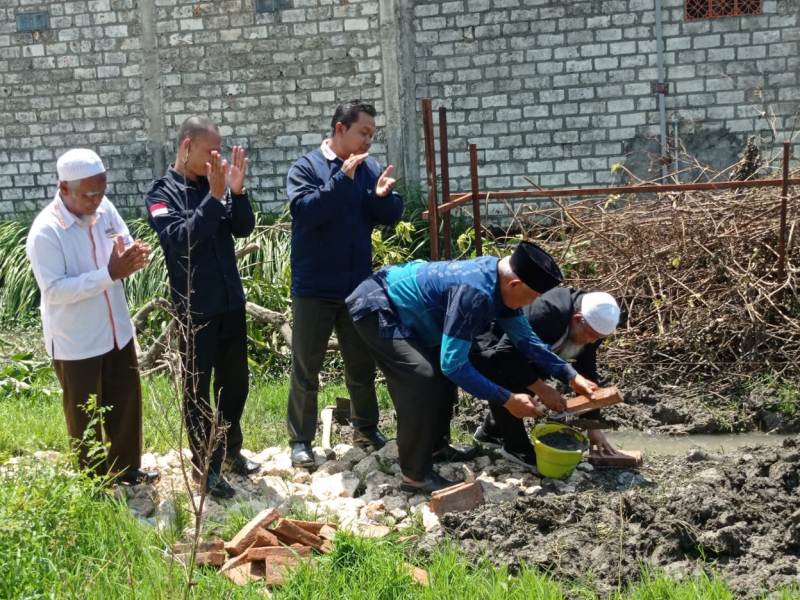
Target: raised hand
{"type": "Point", "coordinates": [351, 163]}
{"type": "Point", "coordinates": [386, 183]}
{"type": "Point", "coordinates": [123, 263]}
{"type": "Point", "coordinates": [216, 172]}
{"type": "Point", "coordinates": [237, 170]}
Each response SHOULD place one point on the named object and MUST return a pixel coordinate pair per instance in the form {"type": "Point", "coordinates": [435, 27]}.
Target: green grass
{"type": "Point", "coordinates": [35, 420]}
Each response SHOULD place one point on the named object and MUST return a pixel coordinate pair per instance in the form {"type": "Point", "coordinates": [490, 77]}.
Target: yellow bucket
{"type": "Point", "coordinates": [552, 462]}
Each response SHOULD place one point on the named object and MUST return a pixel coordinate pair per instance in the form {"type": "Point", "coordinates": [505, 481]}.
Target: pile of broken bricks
{"type": "Point", "coordinates": [268, 547]}
{"type": "Point", "coordinates": [265, 549]}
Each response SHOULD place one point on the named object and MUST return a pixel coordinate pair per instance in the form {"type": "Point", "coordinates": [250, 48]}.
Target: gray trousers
{"type": "Point", "coordinates": [422, 396]}
{"type": "Point", "coordinates": [314, 320]}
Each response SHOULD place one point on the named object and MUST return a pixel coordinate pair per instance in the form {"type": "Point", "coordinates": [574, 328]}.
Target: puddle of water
{"type": "Point", "coordinates": [660, 445]}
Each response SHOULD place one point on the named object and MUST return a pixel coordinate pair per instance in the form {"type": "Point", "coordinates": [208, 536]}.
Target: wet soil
{"type": "Point", "coordinates": [737, 514]}
{"type": "Point", "coordinates": [561, 440]}
{"type": "Point", "coordinates": [674, 412]}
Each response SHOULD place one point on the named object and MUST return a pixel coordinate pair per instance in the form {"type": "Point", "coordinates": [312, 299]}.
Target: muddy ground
{"type": "Point", "coordinates": [675, 412]}
{"type": "Point", "coordinates": [738, 514]}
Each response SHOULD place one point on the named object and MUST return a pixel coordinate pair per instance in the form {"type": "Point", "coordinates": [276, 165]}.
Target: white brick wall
{"type": "Point", "coordinates": [552, 90]}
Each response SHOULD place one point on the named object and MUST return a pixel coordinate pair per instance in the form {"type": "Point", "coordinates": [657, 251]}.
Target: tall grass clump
{"type": "Point", "coordinates": [19, 296]}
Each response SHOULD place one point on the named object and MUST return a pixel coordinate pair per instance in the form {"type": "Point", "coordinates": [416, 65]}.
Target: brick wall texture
{"type": "Point", "coordinates": [553, 91]}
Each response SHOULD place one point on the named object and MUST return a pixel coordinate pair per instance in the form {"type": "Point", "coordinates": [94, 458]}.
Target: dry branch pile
{"type": "Point", "coordinates": [696, 275]}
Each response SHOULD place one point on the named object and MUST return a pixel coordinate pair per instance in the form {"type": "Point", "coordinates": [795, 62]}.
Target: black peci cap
{"type": "Point", "coordinates": [535, 267]}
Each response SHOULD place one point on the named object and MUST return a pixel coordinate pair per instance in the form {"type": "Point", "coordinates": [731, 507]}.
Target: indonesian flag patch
{"type": "Point", "coordinates": [158, 209]}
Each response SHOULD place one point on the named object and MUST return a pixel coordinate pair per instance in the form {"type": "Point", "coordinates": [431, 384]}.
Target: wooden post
{"type": "Point", "coordinates": [784, 202]}
{"type": "Point", "coordinates": [476, 204]}
{"type": "Point", "coordinates": [430, 169]}
{"type": "Point", "coordinates": [445, 172]}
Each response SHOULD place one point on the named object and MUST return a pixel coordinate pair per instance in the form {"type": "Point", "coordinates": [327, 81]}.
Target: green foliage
{"type": "Point", "coordinates": [18, 292]}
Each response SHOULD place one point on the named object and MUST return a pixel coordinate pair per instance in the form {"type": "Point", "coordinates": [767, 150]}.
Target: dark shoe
{"type": "Point", "coordinates": [523, 458]}
{"type": "Point", "coordinates": [137, 476]}
{"type": "Point", "coordinates": [487, 439]}
{"type": "Point", "coordinates": [369, 439]}
{"type": "Point", "coordinates": [217, 486]}
{"type": "Point", "coordinates": [302, 455]}
{"type": "Point", "coordinates": [241, 465]}
{"type": "Point", "coordinates": [452, 454]}
{"type": "Point", "coordinates": [433, 483]}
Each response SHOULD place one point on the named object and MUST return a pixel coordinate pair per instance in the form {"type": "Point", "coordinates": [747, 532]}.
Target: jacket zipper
{"type": "Point", "coordinates": [105, 292]}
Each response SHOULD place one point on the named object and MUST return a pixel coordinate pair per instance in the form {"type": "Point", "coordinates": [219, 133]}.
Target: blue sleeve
{"type": "Point", "coordinates": [386, 210]}
{"type": "Point", "coordinates": [526, 341]}
{"type": "Point", "coordinates": [315, 202]}
{"type": "Point", "coordinates": [243, 220]}
{"type": "Point", "coordinates": [454, 358]}
{"type": "Point", "coordinates": [177, 228]}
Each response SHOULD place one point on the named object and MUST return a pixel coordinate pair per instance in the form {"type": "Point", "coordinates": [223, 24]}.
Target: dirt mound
{"type": "Point", "coordinates": [740, 513]}
{"type": "Point", "coordinates": [671, 411]}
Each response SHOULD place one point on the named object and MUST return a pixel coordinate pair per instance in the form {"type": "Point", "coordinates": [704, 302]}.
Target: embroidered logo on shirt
{"type": "Point", "coordinates": [158, 209]}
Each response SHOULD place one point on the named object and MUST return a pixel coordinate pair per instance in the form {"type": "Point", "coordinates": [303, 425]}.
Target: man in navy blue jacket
{"type": "Point", "coordinates": [197, 208]}
{"type": "Point", "coordinates": [337, 195]}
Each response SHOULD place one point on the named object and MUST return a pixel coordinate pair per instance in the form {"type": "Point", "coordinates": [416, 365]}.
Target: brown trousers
{"type": "Point", "coordinates": [113, 378]}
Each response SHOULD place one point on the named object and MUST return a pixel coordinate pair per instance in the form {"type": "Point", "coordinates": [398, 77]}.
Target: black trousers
{"type": "Point", "coordinates": [314, 320]}
{"type": "Point", "coordinates": [507, 369]}
{"type": "Point", "coordinates": [219, 345]}
{"type": "Point", "coordinates": [422, 396]}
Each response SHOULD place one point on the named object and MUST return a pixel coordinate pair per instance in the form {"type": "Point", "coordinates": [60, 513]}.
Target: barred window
{"type": "Point", "coordinates": [709, 9]}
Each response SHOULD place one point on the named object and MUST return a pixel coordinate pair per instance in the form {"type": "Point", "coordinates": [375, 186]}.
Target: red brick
{"type": "Point", "coordinates": [265, 538]}
{"type": "Point", "coordinates": [210, 546]}
{"type": "Point", "coordinates": [602, 398]}
{"type": "Point", "coordinates": [327, 532]}
{"type": "Point", "coordinates": [310, 526]}
{"type": "Point", "coordinates": [621, 460]}
{"type": "Point", "coordinates": [457, 498]}
{"type": "Point", "coordinates": [278, 554]}
{"type": "Point", "coordinates": [213, 558]}
{"type": "Point", "coordinates": [289, 533]}
{"type": "Point", "coordinates": [247, 534]}
{"type": "Point", "coordinates": [239, 575]}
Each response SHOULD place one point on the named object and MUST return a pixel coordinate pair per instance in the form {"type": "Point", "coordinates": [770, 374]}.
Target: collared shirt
{"type": "Point", "coordinates": [84, 312]}
{"type": "Point", "coordinates": [332, 221]}
{"type": "Point", "coordinates": [187, 217]}
{"type": "Point", "coordinates": [448, 304]}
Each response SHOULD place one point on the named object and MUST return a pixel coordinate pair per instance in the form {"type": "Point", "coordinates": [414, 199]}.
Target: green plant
{"type": "Point", "coordinates": [18, 292]}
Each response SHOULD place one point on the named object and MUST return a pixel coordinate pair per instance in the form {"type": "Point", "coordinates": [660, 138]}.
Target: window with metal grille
{"type": "Point", "coordinates": [709, 9]}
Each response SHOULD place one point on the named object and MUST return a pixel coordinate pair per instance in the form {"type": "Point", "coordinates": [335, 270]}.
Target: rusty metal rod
{"type": "Point", "coordinates": [476, 203]}
{"type": "Point", "coordinates": [445, 172]}
{"type": "Point", "coordinates": [430, 169]}
{"type": "Point", "coordinates": [784, 203]}
{"type": "Point", "coordinates": [460, 199]}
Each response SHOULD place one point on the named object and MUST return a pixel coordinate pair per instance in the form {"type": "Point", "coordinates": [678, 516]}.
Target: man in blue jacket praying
{"type": "Point", "coordinates": [420, 320]}
{"type": "Point", "coordinates": [337, 195]}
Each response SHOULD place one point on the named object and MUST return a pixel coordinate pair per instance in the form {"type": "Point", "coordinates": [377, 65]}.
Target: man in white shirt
{"type": "Point", "coordinates": [80, 250]}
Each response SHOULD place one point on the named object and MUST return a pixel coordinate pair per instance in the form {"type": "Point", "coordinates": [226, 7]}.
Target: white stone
{"type": "Point", "coordinates": [280, 465]}
{"type": "Point", "coordinates": [351, 455]}
{"type": "Point", "coordinates": [534, 490]}
{"type": "Point", "coordinates": [585, 467]}
{"type": "Point", "coordinates": [482, 462]}
{"type": "Point", "coordinates": [389, 451]}
{"type": "Point", "coordinates": [498, 492]}
{"type": "Point", "coordinates": [148, 461]}
{"type": "Point", "coordinates": [366, 466]}
{"type": "Point", "coordinates": [429, 519]}
{"type": "Point", "coordinates": [274, 490]}
{"type": "Point", "coordinates": [335, 486]}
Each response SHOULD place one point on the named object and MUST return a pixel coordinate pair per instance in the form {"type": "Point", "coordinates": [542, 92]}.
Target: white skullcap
{"type": "Point", "coordinates": [600, 311]}
{"type": "Point", "coordinates": [78, 163]}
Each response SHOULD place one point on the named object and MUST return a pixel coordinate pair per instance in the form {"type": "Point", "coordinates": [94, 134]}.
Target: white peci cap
{"type": "Point", "coordinates": [77, 164]}
{"type": "Point", "coordinates": [600, 311]}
